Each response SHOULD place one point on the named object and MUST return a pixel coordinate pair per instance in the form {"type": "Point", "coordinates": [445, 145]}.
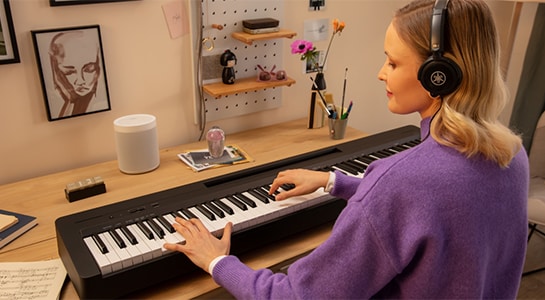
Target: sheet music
{"type": "Point", "coordinates": [31, 280]}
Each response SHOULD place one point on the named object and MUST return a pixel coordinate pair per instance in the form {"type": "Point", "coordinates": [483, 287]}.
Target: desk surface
{"type": "Point", "coordinates": [44, 198]}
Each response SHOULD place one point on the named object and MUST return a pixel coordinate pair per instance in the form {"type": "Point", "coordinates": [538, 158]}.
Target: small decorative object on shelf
{"type": "Point", "coordinates": [228, 60]}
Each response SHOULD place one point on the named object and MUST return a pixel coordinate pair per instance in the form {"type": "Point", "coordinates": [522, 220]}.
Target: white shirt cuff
{"type": "Point", "coordinates": [213, 263]}
{"type": "Point", "coordinates": [330, 182]}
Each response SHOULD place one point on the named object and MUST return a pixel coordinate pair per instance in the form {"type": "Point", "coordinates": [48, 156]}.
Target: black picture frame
{"type": "Point", "coordinates": [76, 2]}
{"type": "Point", "coordinates": [72, 71]}
{"type": "Point", "coordinates": [9, 53]}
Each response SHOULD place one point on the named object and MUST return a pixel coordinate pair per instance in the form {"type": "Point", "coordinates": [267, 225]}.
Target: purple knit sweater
{"type": "Point", "coordinates": [424, 223]}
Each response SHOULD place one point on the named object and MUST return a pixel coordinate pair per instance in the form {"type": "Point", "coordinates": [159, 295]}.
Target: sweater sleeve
{"type": "Point", "coordinates": [345, 186]}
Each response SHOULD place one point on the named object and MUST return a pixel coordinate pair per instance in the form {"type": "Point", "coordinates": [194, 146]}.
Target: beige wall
{"type": "Point", "coordinates": [148, 72]}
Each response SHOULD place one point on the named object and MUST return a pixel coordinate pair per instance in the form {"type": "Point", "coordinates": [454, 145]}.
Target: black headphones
{"type": "Point", "coordinates": [438, 74]}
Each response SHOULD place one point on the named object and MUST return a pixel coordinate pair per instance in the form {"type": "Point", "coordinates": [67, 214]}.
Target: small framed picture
{"type": "Point", "coordinates": [74, 2]}
{"type": "Point", "coordinates": [9, 53]}
{"type": "Point", "coordinates": [72, 71]}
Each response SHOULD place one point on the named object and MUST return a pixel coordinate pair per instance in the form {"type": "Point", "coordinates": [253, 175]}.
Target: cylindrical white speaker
{"type": "Point", "coordinates": [136, 143]}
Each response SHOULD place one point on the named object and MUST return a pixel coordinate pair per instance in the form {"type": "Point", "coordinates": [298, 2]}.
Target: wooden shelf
{"type": "Point", "coordinates": [219, 89]}
{"type": "Point", "coordinates": [250, 38]}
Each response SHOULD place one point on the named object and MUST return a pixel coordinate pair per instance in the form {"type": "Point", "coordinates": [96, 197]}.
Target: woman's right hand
{"type": "Point", "coordinates": [305, 181]}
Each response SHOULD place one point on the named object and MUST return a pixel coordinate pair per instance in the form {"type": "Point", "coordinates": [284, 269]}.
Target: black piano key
{"type": "Point", "coordinates": [188, 214]}
{"type": "Point", "coordinates": [359, 167]}
{"type": "Point", "coordinates": [249, 202]}
{"type": "Point", "coordinates": [224, 207]}
{"type": "Point", "coordinates": [366, 159]}
{"type": "Point", "coordinates": [100, 244]}
{"type": "Point", "coordinates": [145, 230]}
{"type": "Point", "coordinates": [156, 228]}
{"type": "Point", "coordinates": [236, 202]}
{"type": "Point", "coordinates": [289, 186]}
{"type": "Point", "coordinates": [258, 195]}
{"type": "Point", "coordinates": [205, 212]}
{"type": "Point", "coordinates": [176, 214]}
{"type": "Point", "coordinates": [378, 154]}
{"type": "Point", "coordinates": [265, 192]}
{"type": "Point", "coordinates": [166, 224]}
{"type": "Point", "coordinates": [347, 168]}
{"type": "Point", "coordinates": [117, 239]}
{"type": "Point", "coordinates": [213, 208]}
{"type": "Point", "coordinates": [128, 234]}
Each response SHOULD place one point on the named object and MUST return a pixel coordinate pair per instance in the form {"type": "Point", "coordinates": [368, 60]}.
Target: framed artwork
{"type": "Point", "coordinates": [74, 2]}
{"type": "Point", "coordinates": [8, 44]}
{"type": "Point", "coordinates": [72, 71]}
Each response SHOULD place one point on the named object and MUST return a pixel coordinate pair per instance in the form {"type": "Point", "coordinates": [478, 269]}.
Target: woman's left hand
{"type": "Point", "coordinates": [201, 247]}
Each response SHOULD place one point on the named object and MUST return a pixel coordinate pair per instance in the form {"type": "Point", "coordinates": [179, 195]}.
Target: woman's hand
{"type": "Point", "coordinates": [201, 247]}
{"type": "Point", "coordinates": [305, 181]}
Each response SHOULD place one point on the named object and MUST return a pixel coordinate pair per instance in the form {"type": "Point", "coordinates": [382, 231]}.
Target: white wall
{"type": "Point", "coordinates": [148, 72]}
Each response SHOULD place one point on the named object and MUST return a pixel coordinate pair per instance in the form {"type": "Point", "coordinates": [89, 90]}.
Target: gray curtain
{"type": "Point", "coordinates": [530, 98]}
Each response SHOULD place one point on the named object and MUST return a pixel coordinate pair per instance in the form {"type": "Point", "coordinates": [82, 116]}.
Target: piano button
{"type": "Point", "coordinates": [128, 234]}
{"type": "Point", "coordinates": [145, 230]}
{"type": "Point", "coordinates": [213, 208]}
{"type": "Point", "coordinates": [242, 197]}
{"type": "Point", "coordinates": [236, 202]}
{"type": "Point", "coordinates": [147, 246]}
{"type": "Point", "coordinates": [101, 260]}
{"type": "Point", "coordinates": [100, 244]}
{"type": "Point", "coordinates": [155, 227]}
{"type": "Point", "coordinates": [223, 206]}
{"type": "Point", "coordinates": [205, 212]}
{"type": "Point", "coordinates": [166, 224]}
{"type": "Point", "coordinates": [117, 239]}
{"type": "Point", "coordinates": [113, 258]}
{"type": "Point", "coordinates": [133, 251]}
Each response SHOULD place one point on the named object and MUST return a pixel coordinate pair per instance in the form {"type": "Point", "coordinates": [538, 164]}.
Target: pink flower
{"type": "Point", "coordinates": [301, 47]}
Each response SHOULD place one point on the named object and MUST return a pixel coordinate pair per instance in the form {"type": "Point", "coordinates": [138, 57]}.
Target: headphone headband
{"type": "Point", "coordinates": [438, 26]}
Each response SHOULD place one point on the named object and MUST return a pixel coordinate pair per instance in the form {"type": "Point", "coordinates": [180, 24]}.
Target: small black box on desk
{"type": "Point", "coordinates": [84, 188]}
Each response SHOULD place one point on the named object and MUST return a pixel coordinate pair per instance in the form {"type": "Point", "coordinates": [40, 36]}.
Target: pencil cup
{"type": "Point", "coordinates": [337, 128]}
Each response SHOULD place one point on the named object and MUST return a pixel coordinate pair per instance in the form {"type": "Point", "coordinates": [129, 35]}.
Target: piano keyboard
{"type": "Point", "coordinates": [102, 246]}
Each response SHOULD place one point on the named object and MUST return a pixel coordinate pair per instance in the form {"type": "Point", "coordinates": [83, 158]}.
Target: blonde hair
{"type": "Point", "coordinates": [468, 118]}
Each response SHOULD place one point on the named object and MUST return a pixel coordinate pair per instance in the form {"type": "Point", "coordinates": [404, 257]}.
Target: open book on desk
{"type": "Point", "coordinates": [199, 160]}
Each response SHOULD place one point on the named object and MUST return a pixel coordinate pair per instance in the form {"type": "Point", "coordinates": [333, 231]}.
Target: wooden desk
{"type": "Point", "coordinates": [44, 198]}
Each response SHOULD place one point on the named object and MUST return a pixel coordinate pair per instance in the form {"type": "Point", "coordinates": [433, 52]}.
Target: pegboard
{"type": "Point", "coordinates": [267, 53]}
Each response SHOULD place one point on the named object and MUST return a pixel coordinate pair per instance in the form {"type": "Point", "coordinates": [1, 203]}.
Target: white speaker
{"type": "Point", "coordinates": [136, 143]}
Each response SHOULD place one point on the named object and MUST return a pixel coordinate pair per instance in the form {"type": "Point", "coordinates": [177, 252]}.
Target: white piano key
{"type": "Point", "coordinates": [159, 241]}
{"type": "Point", "coordinates": [152, 244]}
{"type": "Point", "coordinates": [112, 256]}
{"type": "Point", "coordinates": [132, 250]}
{"type": "Point", "coordinates": [179, 238]}
{"type": "Point", "coordinates": [124, 257]}
{"type": "Point", "coordinates": [143, 248]}
{"type": "Point", "coordinates": [101, 260]}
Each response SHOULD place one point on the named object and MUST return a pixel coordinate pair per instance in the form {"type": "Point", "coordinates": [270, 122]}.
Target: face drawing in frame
{"type": "Point", "coordinates": [75, 66]}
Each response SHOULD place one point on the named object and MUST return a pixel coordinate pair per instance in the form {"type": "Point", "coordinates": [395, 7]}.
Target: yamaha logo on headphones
{"type": "Point", "coordinates": [438, 78]}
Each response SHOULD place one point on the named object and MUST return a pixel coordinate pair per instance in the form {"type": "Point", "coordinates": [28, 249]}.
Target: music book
{"type": "Point", "coordinates": [38, 280]}
{"type": "Point", "coordinates": [199, 160]}
{"type": "Point", "coordinates": [16, 229]}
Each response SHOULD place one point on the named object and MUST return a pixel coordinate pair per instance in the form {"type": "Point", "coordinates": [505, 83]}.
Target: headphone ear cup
{"type": "Point", "coordinates": [440, 76]}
